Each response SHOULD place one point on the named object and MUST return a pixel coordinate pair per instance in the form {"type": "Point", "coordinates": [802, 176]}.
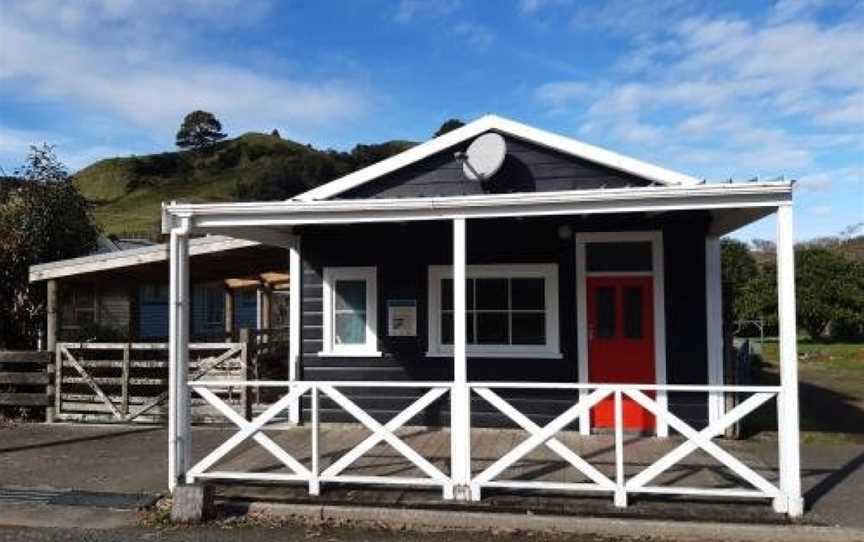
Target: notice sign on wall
{"type": "Point", "coordinates": [402, 317]}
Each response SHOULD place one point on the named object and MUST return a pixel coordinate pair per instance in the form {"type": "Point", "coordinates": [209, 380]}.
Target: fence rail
{"type": "Point", "coordinates": [26, 380]}
{"type": "Point", "coordinates": [625, 479]}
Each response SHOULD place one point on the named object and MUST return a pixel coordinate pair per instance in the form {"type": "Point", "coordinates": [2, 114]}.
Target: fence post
{"type": "Point", "coordinates": [49, 388]}
{"type": "Point", "coordinates": [124, 389]}
{"type": "Point", "coordinates": [58, 377]}
{"type": "Point", "coordinates": [247, 356]}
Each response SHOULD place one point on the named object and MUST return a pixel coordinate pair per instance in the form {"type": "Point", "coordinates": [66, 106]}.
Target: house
{"type": "Point", "coordinates": [121, 292]}
{"type": "Point", "coordinates": [554, 286]}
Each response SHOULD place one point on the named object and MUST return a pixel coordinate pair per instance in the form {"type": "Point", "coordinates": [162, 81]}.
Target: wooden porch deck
{"type": "Point", "coordinates": [488, 445]}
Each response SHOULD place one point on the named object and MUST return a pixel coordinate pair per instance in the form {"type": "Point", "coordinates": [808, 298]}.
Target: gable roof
{"type": "Point", "coordinates": [556, 142]}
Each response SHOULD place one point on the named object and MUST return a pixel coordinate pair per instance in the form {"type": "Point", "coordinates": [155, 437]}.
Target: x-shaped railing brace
{"type": "Point", "coordinates": [546, 435]}
{"type": "Point", "coordinates": [701, 439]}
{"type": "Point", "coordinates": [383, 433]}
{"type": "Point", "coordinates": [250, 429]}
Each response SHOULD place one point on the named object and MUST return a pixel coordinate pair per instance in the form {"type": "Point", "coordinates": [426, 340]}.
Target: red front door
{"type": "Point", "coordinates": [621, 343]}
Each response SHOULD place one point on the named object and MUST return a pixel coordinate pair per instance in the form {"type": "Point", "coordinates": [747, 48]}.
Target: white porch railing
{"type": "Point", "coordinates": [333, 473]}
{"type": "Point", "coordinates": [617, 484]}
{"type": "Point", "coordinates": [621, 486]}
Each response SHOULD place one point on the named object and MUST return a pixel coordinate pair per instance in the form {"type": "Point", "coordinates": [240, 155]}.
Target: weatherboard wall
{"type": "Point", "coordinates": [402, 254]}
{"type": "Point", "coordinates": [527, 167]}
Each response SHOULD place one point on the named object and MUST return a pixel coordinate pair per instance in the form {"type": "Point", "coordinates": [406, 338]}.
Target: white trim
{"type": "Point", "coordinates": [370, 346]}
{"type": "Point", "coordinates": [509, 127]}
{"type": "Point", "coordinates": [131, 257]}
{"type": "Point", "coordinates": [546, 271]}
{"type": "Point", "coordinates": [714, 324]}
{"type": "Point", "coordinates": [658, 275]}
{"type": "Point", "coordinates": [717, 197]}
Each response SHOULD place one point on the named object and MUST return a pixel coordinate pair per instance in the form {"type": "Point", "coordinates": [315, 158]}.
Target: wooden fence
{"type": "Point", "coordinates": [128, 382]}
{"type": "Point", "coordinates": [26, 380]}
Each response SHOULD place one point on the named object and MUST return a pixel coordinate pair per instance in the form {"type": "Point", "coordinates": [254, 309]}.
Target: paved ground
{"type": "Point", "coordinates": [132, 460]}
{"type": "Point", "coordinates": [262, 534]}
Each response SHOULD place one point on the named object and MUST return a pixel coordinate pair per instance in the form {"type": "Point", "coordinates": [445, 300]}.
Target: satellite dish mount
{"type": "Point", "coordinates": [483, 158]}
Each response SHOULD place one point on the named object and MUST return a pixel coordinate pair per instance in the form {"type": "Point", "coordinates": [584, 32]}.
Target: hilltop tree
{"type": "Point", "coordinates": [199, 130]}
{"type": "Point", "coordinates": [44, 218]}
{"type": "Point", "coordinates": [449, 126]}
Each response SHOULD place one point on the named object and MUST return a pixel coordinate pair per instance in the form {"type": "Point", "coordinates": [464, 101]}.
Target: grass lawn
{"type": "Point", "coordinates": [831, 378]}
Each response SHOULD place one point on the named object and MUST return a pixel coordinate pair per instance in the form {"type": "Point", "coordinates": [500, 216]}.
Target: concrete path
{"type": "Point", "coordinates": [131, 460]}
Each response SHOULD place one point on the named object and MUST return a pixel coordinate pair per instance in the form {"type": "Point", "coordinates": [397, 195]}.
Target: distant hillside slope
{"type": "Point", "coordinates": [127, 192]}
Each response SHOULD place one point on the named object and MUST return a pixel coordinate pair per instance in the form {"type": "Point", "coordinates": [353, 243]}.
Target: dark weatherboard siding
{"type": "Point", "coordinates": [402, 254]}
{"type": "Point", "coordinates": [527, 168]}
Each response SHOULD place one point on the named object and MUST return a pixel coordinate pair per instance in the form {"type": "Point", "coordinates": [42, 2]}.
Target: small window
{"type": "Point", "coordinates": [350, 298]}
{"type": "Point", "coordinates": [79, 306]}
{"type": "Point", "coordinates": [510, 310]}
{"type": "Point", "coordinates": [633, 312]}
{"type": "Point", "coordinates": [214, 306]}
{"type": "Point", "coordinates": [605, 312]}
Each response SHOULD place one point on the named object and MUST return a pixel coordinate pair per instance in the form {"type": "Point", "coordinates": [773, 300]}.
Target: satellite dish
{"type": "Point", "coordinates": [484, 157]}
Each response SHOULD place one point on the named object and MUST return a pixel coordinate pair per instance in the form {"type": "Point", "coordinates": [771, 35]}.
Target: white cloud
{"type": "Point", "coordinates": [408, 10]}
{"type": "Point", "coordinates": [134, 60]}
{"type": "Point", "coordinates": [475, 35]}
{"type": "Point", "coordinates": [560, 94]}
{"type": "Point", "coordinates": [723, 95]}
{"type": "Point", "coordinates": [532, 6]}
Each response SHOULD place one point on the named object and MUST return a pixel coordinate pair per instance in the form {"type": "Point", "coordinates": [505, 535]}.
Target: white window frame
{"type": "Point", "coordinates": [548, 272]}
{"type": "Point", "coordinates": [370, 347]}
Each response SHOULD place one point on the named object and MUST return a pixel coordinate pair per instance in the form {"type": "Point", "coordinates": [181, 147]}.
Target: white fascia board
{"type": "Point", "coordinates": [618, 200]}
{"type": "Point", "coordinates": [131, 257]}
{"type": "Point", "coordinates": [509, 127]}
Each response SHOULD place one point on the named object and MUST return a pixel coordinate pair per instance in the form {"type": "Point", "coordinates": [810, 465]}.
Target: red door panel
{"type": "Point", "coordinates": [621, 343]}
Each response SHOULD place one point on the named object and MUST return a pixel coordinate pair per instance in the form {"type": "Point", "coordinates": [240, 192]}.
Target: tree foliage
{"type": "Point", "coordinates": [42, 219]}
{"type": "Point", "coordinates": [829, 288]}
{"type": "Point", "coordinates": [448, 126]}
{"type": "Point", "coordinates": [200, 130]}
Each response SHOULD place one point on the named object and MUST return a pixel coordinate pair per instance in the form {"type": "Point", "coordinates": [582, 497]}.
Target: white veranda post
{"type": "Point", "coordinates": [179, 421]}
{"type": "Point", "coordinates": [460, 400]}
{"type": "Point", "coordinates": [714, 319]}
{"type": "Point", "coordinates": [295, 284]}
{"type": "Point", "coordinates": [788, 429]}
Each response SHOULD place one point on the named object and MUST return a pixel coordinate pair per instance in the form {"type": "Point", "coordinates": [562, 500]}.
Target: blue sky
{"type": "Point", "coordinates": [718, 90]}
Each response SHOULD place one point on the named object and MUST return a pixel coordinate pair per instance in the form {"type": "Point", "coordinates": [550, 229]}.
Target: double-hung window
{"type": "Point", "coordinates": [512, 310]}
{"type": "Point", "coordinates": [350, 311]}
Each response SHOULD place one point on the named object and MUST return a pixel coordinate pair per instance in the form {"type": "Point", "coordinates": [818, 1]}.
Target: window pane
{"type": "Point", "coordinates": [84, 297]}
{"type": "Point", "coordinates": [633, 312]}
{"type": "Point", "coordinates": [529, 328]}
{"type": "Point", "coordinates": [350, 328]}
{"type": "Point", "coordinates": [351, 295]}
{"type": "Point", "coordinates": [492, 328]}
{"type": "Point", "coordinates": [447, 328]}
{"type": "Point", "coordinates": [619, 256]}
{"type": "Point", "coordinates": [605, 316]}
{"type": "Point", "coordinates": [528, 294]}
{"type": "Point", "coordinates": [447, 294]}
{"type": "Point", "coordinates": [84, 317]}
{"type": "Point", "coordinates": [491, 294]}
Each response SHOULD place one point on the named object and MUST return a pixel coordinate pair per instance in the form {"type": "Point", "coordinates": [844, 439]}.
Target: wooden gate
{"type": "Point", "coordinates": [128, 382]}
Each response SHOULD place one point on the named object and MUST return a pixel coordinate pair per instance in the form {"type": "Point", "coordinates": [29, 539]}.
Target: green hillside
{"type": "Point", "coordinates": [127, 192]}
